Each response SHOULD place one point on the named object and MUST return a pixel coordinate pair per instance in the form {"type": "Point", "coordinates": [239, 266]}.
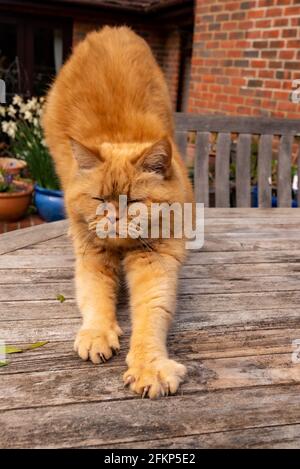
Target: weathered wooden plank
{"type": "Point", "coordinates": [188, 343]}
{"type": "Point", "coordinates": [26, 323]}
{"type": "Point", "coordinates": [181, 140]}
{"type": "Point", "coordinates": [126, 421]}
{"type": "Point", "coordinates": [42, 291]}
{"type": "Point", "coordinates": [188, 286]}
{"type": "Point", "coordinates": [242, 213]}
{"type": "Point", "coordinates": [201, 173]}
{"type": "Point", "coordinates": [212, 253]}
{"type": "Point", "coordinates": [234, 257]}
{"type": "Point", "coordinates": [20, 238]}
{"type": "Point", "coordinates": [193, 311]}
{"type": "Point", "coordinates": [264, 171]}
{"type": "Point", "coordinates": [222, 170]}
{"type": "Point", "coordinates": [243, 154]}
{"type": "Point", "coordinates": [251, 125]}
{"type": "Point", "coordinates": [219, 242]}
{"type": "Point", "coordinates": [284, 190]}
{"type": "Point", "coordinates": [277, 437]}
{"type": "Point", "coordinates": [200, 271]}
{"type": "Point", "coordinates": [32, 275]}
{"type": "Point", "coordinates": [104, 383]}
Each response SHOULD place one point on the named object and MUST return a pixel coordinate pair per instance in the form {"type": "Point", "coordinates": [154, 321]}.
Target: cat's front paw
{"type": "Point", "coordinates": [98, 345]}
{"type": "Point", "coordinates": [160, 377]}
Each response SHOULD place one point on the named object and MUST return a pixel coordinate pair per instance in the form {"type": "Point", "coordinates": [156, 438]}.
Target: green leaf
{"type": "Point", "coordinates": [35, 345]}
{"type": "Point", "coordinates": [3, 363]}
{"type": "Point", "coordinates": [12, 349]}
{"type": "Point", "coordinates": [60, 298]}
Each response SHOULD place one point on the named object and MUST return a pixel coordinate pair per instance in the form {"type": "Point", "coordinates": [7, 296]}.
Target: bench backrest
{"type": "Point", "coordinates": [245, 127]}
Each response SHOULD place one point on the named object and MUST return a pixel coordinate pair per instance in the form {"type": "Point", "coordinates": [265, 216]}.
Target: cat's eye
{"type": "Point", "coordinates": [99, 198]}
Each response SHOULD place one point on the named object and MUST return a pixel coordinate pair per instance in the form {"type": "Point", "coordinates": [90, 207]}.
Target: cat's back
{"type": "Point", "coordinates": [112, 86]}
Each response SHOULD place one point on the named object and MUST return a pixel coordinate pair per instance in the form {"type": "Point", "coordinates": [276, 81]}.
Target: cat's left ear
{"type": "Point", "coordinates": [157, 159]}
{"type": "Point", "coordinates": [85, 158]}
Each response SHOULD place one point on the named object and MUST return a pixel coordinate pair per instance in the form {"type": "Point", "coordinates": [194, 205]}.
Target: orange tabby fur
{"type": "Point", "coordinates": [108, 119]}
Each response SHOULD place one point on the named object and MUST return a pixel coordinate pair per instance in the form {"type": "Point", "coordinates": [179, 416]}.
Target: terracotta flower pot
{"type": "Point", "coordinates": [12, 165]}
{"type": "Point", "coordinates": [13, 205]}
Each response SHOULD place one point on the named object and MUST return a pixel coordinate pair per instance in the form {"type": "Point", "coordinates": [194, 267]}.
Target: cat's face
{"type": "Point", "coordinates": [140, 171]}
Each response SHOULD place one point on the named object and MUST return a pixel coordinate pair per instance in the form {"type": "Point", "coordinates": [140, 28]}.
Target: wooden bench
{"type": "Point", "coordinates": [245, 127]}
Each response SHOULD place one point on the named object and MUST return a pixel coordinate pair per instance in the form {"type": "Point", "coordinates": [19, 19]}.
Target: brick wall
{"type": "Point", "coordinates": [164, 44]}
{"type": "Point", "coordinates": [245, 56]}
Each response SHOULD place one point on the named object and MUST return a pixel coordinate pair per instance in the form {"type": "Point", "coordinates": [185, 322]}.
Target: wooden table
{"type": "Point", "coordinates": [237, 317]}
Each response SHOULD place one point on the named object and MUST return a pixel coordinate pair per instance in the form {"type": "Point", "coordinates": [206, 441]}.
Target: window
{"type": "Point", "coordinates": [32, 51]}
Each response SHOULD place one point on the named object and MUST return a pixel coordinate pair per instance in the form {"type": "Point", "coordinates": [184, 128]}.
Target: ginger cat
{"type": "Point", "coordinates": [108, 124]}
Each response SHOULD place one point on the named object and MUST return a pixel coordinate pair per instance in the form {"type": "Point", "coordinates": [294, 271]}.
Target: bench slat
{"type": "Point", "coordinates": [284, 171]}
{"type": "Point", "coordinates": [181, 140]}
{"type": "Point", "coordinates": [201, 181]}
{"type": "Point", "coordinates": [222, 170]}
{"type": "Point", "coordinates": [264, 171]}
{"type": "Point", "coordinates": [236, 124]}
{"type": "Point", "coordinates": [243, 193]}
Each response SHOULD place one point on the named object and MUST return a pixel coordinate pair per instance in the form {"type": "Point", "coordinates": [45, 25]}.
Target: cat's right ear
{"type": "Point", "coordinates": [85, 158]}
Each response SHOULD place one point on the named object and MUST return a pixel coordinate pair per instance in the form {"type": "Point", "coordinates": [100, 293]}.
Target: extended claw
{"type": "Point", "coordinates": [145, 392]}
{"type": "Point", "coordinates": [129, 380]}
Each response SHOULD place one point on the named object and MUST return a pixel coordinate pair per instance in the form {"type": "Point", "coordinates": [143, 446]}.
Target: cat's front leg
{"type": "Point", "coordinates": [152, 279]}
{"type": "Point", "coordinates": [96, 289]}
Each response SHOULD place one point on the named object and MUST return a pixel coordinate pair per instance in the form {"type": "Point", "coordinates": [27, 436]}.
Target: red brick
{"type": "Point", "coordinates": [272, 84]}
{"type": "Point", "coordinates": [256, 14]}
{"type": "Point", "coordinates": [289, 33]}
{"type": "Point", "coordinates": [286, 54]}
{"type": "Point", "coordinates": [279, 22]}
{"type": "Point", "coordinates": [275, 12]}
{"type": "Point", "coordinates": [254, 34]}
{"type": "Point", "coordinates": [266, 73]}
{"type": "Point", "coordinates": [263, 23]}
{"type": "Point", "coordinates": [258, 63]}
{"type": "Point", "coordinates": [270, 33]}
{"type": "Point", "coordinates": [292, 11]}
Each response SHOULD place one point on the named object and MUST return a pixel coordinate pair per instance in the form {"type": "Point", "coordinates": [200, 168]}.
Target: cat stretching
{"type": "Point", "coordinates": [108, 125]}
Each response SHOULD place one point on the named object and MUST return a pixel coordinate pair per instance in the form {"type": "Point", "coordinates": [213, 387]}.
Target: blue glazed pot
{"type": "Point", "coordinates": [49, 203]}
{"type": "Point", "coordinates": [254, 197]}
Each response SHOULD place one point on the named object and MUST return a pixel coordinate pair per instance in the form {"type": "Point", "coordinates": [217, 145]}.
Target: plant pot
{"type": "Point", "coordinates": [13, 205]}
{"type": "Point", "coordinates": [49, 203]}
{"type": "Point", "coordinates": [12, 165]}
{"type": "Point", "coordinates": [254, 199]}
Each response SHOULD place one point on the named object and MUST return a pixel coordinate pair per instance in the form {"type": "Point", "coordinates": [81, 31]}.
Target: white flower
{"type": "Point", "coordinates": [23, 108]}
{"type": "Point", "coordinates": [10, 128]}
{"type": "Point", "coordinates": [2, 111]}
{"type": "Point", "coordinates": [35, 122]}
{"type": "Point", "coordinates": [28, 116]}
{"type": "Point", "coordinates": [32, 104]}
{"type": "Point", "coordinates": [11, 111]}
{"type": "Point", "coordinates": [17, 100]}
